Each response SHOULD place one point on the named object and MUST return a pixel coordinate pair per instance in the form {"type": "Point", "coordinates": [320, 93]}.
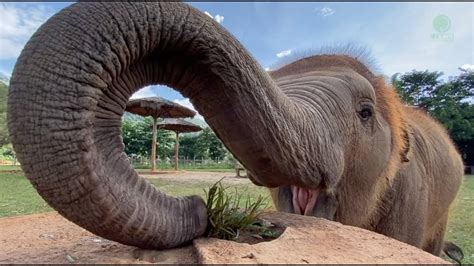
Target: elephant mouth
{"type": "Point", "coordinates": [304, 199]}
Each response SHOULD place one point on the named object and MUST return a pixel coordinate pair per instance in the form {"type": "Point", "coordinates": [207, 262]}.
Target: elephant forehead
{"type": "Point", "coordinates": [343, 85]}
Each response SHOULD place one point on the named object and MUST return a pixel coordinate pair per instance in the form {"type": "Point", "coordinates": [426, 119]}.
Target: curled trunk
{"type": "Point", "coordinates": [69, 90]}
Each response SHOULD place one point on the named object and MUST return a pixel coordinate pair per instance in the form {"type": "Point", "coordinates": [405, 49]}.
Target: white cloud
{"type": "Point", "coordinates": [217, 17]}
{"type": "Point", "coordinates": [284, 53]}
{"type": "Point", "coordinates": [207, 13]}
{"type": "Point", "coordinates": [10, 49]}
{"type": "Point", "coordinates": [267, 69]}
{"type": "Point", "coordinates": [186, 103]}
{"type": "Point", "coordinates": [17, 26]}
{"type": "Point", "coordinates": [467, 68]}
{"type": "Point", "coordinates": [325, 11]}
{"type": "Point", "coordinates": [144, 93]}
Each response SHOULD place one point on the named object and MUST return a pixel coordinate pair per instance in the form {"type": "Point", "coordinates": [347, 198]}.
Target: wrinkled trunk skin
{"type": "Point", "coordinates": [69, 90]}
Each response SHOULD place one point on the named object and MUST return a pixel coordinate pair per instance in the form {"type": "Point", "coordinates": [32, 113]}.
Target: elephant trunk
{"type": "Point", "coordinates": [69, 90]}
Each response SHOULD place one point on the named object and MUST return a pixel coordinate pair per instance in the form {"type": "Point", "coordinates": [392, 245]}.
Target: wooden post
{"type": "Point", "coordinates": [176, 152]}
{"type": "Point", "coordinates": [153, 146]}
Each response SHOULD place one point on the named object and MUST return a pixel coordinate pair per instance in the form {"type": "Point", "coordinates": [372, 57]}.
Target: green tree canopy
{"type": "Point", "coordinates": [137, 134]}
{"type": "Point", "coordinates": [4, 137]}
{"type": "Point", "coordinates": [450, 102]}
{"type": "Point", "coordinates": [205, 145]}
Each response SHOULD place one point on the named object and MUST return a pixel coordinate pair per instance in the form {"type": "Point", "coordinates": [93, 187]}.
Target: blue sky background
{"type": "Point", "coordinates": [399, 35]}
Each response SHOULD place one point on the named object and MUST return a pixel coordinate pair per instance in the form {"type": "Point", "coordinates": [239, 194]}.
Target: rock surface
{"type": "Point", "coordinates": [312, 240]}
{"type": "Point", "coordinates": [49, 238]}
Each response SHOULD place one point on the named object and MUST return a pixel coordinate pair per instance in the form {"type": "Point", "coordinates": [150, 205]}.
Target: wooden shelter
{"type": "Point", "coordinates": [178, 126]}
{"type": "Point", "coordinates": [157, 107]}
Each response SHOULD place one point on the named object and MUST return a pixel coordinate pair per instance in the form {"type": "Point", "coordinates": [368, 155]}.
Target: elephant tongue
{"type": "Point", "coordinates": [304, 199]}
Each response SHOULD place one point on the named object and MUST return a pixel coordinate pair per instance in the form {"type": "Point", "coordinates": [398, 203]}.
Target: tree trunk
{"type": "Point", "coordinates": [176, 151]}
{"type": "Point", "coordinates": [153, 145]}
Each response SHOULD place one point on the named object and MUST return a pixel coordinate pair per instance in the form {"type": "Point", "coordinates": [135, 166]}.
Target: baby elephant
{"type": "Point", "coordinates": [381, 165]}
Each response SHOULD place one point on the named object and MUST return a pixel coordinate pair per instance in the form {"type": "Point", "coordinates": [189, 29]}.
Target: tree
{"type": "Point", "coordinates": [448, 102]}
{"type": "Point", "coordinates": [137, 134]}
{"type": "Point", "coordinates": [215, 148]}
{"type": "Point", "coordinates": [415, 87]}
{"type": "Point", "coordinates": [4, 137]}
{"type": "Point", "coordinates": [206, 145]}
{"type": "Point", "coordinates": [187, 145]}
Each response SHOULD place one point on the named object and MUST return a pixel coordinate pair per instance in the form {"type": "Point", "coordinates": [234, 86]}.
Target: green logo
{"type": "Point", "coordinates": [441, 23]}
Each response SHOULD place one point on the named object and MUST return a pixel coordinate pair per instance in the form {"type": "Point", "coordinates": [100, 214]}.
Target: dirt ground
{"type": "Point", "coordinates": [49, 238]}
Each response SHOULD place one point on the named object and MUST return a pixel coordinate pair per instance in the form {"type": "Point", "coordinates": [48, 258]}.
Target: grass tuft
{"type": "Point", "coordinates": [228, 219]}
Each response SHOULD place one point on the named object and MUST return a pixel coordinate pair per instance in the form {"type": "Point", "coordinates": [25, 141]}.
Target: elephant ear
{"type": "Point", "coordinates": [405, 150]}
{"type": "Point", "coordinates": [393, 112]}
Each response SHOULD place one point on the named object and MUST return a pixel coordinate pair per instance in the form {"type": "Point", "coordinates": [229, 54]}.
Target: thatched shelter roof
{"type": "Point", "coordinates": [178, 125]}
{"type": "Point", "coordinates": [158, 107]}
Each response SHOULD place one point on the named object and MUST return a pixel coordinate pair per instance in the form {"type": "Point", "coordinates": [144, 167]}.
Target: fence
{"type": "Point", "coordinates": [9, 162]}
{"type": "Point", "coordinates": [469, 170]}
{"type": "Point", "coordinates": [184, 163]}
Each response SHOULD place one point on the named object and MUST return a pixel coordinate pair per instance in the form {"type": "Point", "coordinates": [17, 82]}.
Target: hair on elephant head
{"type": "Point", "coordinates": [326, 134]}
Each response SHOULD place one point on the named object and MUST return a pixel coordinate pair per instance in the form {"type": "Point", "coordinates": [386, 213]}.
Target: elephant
{"type": "Point", "coordinates": [329, 137]}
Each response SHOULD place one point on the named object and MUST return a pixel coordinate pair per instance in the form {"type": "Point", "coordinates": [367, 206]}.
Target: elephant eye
{"type": "Point", "coordinates": [365, 113]}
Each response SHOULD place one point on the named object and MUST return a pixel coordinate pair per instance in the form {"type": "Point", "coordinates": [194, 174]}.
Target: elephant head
{"type": "Point", "coordinates": [300, 127]}
{"type": "Point", "coordinates": [354, 132]}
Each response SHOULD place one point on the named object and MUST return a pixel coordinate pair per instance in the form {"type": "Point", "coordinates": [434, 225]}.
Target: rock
{"type": "Point", "coordinates": [313, 240]}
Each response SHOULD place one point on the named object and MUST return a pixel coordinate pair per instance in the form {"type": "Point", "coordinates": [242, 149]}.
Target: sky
{"type": "Point", "coordinates": [400, 36]}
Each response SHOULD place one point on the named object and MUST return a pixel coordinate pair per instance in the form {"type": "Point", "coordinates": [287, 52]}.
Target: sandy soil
{"type": "Point", "coordinates": [49, 238]}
